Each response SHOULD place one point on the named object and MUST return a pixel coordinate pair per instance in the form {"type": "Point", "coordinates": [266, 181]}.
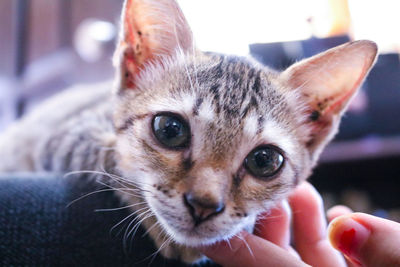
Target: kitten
{"type": "Point", "coordinates": [205, 141]}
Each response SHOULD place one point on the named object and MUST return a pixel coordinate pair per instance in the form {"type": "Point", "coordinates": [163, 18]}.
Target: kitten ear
{"type": "Point", "coordinates": [151, 29]}
{"type": "Point", "coordinates": [328, 82]}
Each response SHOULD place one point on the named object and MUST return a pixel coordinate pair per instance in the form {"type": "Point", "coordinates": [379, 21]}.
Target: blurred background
{"type": "Point", "coordinates": [48, 45]}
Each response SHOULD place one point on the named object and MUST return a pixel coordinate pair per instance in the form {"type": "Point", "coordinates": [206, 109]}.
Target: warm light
{"type": "Point", "coordinates": [378, 21]}
{"type": "Point", "coordinates": [229, 26]}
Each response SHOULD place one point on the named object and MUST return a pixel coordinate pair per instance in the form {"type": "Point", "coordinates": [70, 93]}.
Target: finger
{"type": "Point", "coordinates": [337, 211]}
{"type": "Point", "coordinates": [309, 228]}
{"type": "Point", "coordinates": [366, 239]}
{"type": "Point", "coordinates": [274, 225]}
{"type": "Point", "coordinates": [250, 251]}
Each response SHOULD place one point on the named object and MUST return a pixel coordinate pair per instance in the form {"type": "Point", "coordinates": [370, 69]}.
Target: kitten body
{"type": "Point", "coordinates": [232, 106]}
{"type": "Point", "coordinates": [46, 139]}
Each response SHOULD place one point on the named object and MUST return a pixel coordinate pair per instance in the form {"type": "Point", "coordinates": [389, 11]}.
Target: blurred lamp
{"type": "Point", "coordinates": [93, 39]}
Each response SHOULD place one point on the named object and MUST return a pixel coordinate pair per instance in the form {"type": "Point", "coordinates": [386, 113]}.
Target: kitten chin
{"type": "Point", "coordinates": [176, 244]}
{"type": "Point", "coordinates": [195, 236]}
{"type": "Point", "coordinates": [171, 249]}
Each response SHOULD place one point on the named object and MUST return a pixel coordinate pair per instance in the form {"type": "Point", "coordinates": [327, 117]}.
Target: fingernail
{"type": "Point", "coordinates": [348, 236]}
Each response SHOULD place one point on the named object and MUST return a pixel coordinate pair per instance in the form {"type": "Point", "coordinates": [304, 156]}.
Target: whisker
{"type": "Point", "coordinates": [266, 217]}
{"type": "Point", "coordinates": [126, 218]}
{"type": "Point", "coordinates": [123, 190]}
{"type": "Point", "coordinates": [127, 230]}
{"type": "Point", "coordinates": [139, 219]}
{"type": "Point", "coordinates": [137, 225]}
{"type": "Point", "coordinates": [121, 208]}
{"type": "Point", "coordinates": [89, 194]}
{"type": "Point", "coordinates": [229, 244]}
{"type": "Point", "coordinates": [120, 179]}
{"type": "Point", "coordinates": [111, 176]}
{"type": "Point", "coordinates": [103, 173]}
{"type": "Point", "coordinates": [164, 244]}
{"type": "Point", "coordinates": [157, 223]}
{"type": "Point", "coordinates": [247, 245]}
{"type": "Point", "coordinates": [160, 233]}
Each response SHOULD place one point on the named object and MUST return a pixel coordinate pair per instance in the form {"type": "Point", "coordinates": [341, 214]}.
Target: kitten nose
{"type": "Point", "coordinates": [202, 209]}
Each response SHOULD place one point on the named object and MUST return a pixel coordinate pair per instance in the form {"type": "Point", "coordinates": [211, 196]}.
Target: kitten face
{"type": "Point", "coordinates": [232, 106]}
{"type": "Point", "coordinates": [212, 140]}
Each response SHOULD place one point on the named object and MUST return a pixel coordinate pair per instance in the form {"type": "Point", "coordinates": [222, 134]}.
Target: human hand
{"type": "Point", "coordinates": [368, 240]}
{"type": "Point", "coordinates": [365, 240]}
{"type": "Point", "coordinates": [271, 244]}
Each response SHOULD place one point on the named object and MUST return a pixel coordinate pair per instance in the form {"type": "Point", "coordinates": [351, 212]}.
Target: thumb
{"type": "Point", "coordinates": [366, 240]}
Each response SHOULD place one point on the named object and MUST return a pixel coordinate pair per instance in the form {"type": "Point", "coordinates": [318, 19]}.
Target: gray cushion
{"type": "Point", "coordinates": [37, 227]}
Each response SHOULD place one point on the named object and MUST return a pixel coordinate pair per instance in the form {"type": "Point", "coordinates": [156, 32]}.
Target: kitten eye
{"type": "Point", "coordinates": [264, 161]}
{"type": "Point", "coordinates": [171, 130]}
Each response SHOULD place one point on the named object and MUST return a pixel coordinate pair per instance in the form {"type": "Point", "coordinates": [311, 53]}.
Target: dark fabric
{"type": "Point", "coordinates": [38, 229]}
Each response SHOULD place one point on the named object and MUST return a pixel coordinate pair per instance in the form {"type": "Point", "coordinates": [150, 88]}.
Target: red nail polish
{"type": "Point", "coordinates": [348, 236]}
{"type": "Point", "coordinates": [348, 243]}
